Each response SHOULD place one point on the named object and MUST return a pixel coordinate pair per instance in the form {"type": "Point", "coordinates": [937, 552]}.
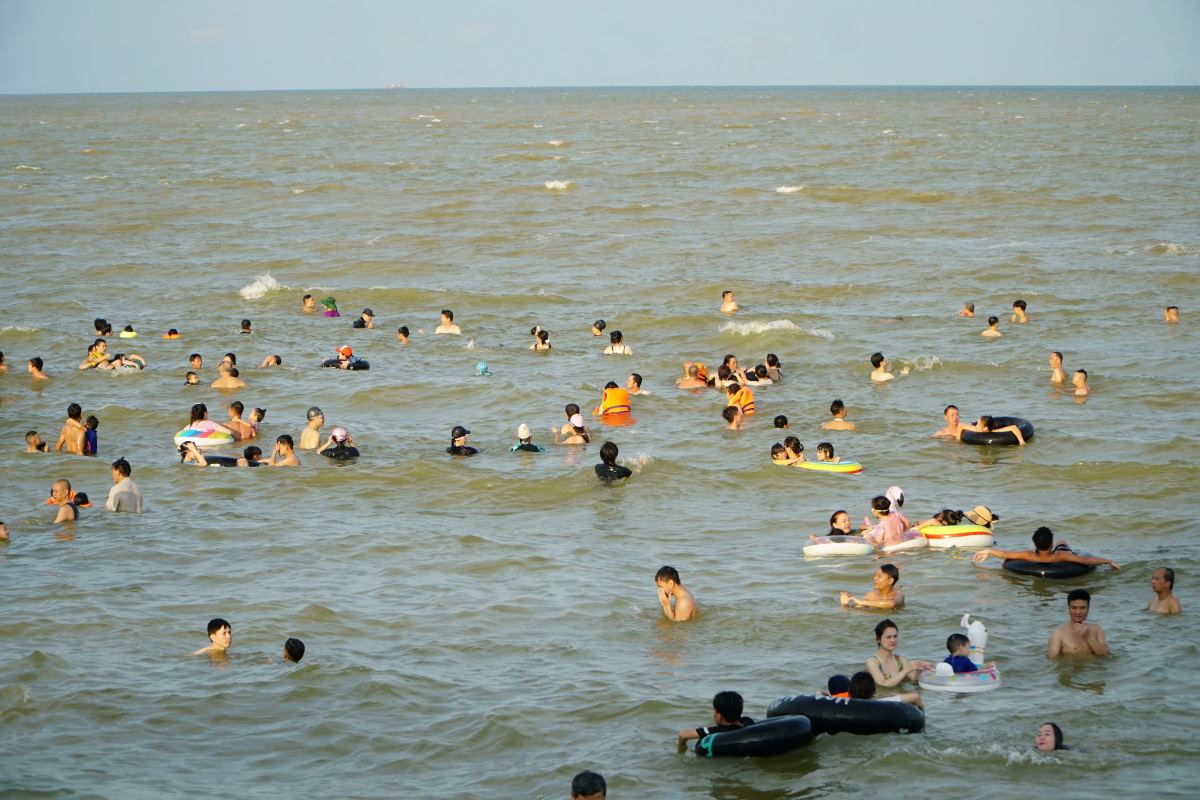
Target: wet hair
{"type": "Point", "coordinates": [777, 450]}
{"type": "Point", "coordinates": [608, 453]}
{"type": "Point", "coordinates": [402, 330]}
{"type": "Point", "coordinates": [667, 574]}
{"type": "Point", "coordinates": [637, 379]}
{"type": "Point", "coordinates": [37, 363]}
{"type": "Point", "coordinates": [285, 438]}
{"type": "Point", "coordinates": [881, 504]}
{"type": "Point", "coordinates": [726, 293]}
{"type": "Point", "coordinates": [599, 324]}
{"type": "Point", "coordinates": [294, 649]}
{"type": "Point", "coordinates": [946, 410]}
{"type": "Point", "coordinates": [128, 329]}
{"type": "Point", "coordinates": [1019, 304]}
{"type": "Point", "coordinates": [1172, 308]}
{"type": "Point", "coordinates": [252, 453]}
{"type": "Point", "coordinates": [693, 370]}
{"type": "Point", "coordinates": [278, 359]}
{"type": "Point", "coordinates": [571, 409]}
{"type": "Point", "coordinates": [781, 421]}
{"type": "Point", "coordinates": [99, 323]}
{"type": "Point", "coordinates": [172, 332]}
{"type": "Point", "coordinates": [948, 516]}
{"type": "Point", "coordinates": [729, 414]}
{"type": "Point", "coordinates": [191, 374]}
{"type": "Point", "coordinates": [728, 705]}
{"type": "Point", "coordinates": [611, 385]}
{"type": "Point", "coordinates": [74, 411]}
{"type": "Point", "coordinates": [194, 356]}
{"type": "Point", "coordinates": [1169, 576]}
{"type": "Point", "coordinates": [986, 422]}
{"type": "Point", "coordinates": [882, 627]}
{"type": "Point", "coordinates": [825, 449]}
{"type": "Point", "coordinates": [1043, 539]}
{"type": "Point", "coordinates": [1056, 353]}
{"type": "Point", "coordinates": [81, 499]}
{"type": "Point", "coordinates": [761, 371]}
{"type": "Point", "coordinates": [306, 297]}
{"type": "Point", "coordinates": [793, 444]}
{"type": "Point", "coordinates": [258, 414]}
{"type": "Point", "coordinates": [122, 466]}
{"type": "Point", "coordinates": [588, 783]}
{"type": "Point", "coordinates": [1079, 594]}
{"type": "Point", "coordinates": [245, 324]}
{"type": "Point", "coordinates": [534, 330]}
{"type": "Point", "coordinates": [233, 372]}
{"type": "Point", "coordinates": [862, 686]}
{"type": "Point", "coordinates": [834, 515]}
{"type": "Point", "coordinates": [955, 641]}
{"type": "Point", "coordinates": [891, 571]}
{"type": "Point", "coordinates": [772, 360]}
{"type": "Point", "coordinates": [30, 436]}
{"type": "Point", "coordinates": [543, 336]}
{"type": "Point", "coordinates": [1058, 736]}
{"type": "Point", "coordinates": [232, 358]}
{"type": "Point", "coordinates": [199, 412]}
{"type": "Point", "coordinates": [876, 359]}
{"type": "Point", "coordinates": [733, 389]}
{"type": "Point", "coordinates": [237, 406]}
{"type": "Point", "coordinates": [1082, 372]}
{"type": "Point", "coordinates": [448, 314]}
{"type": "Point", "coordinates": [969, 306]}
{"type": "Point", "coordinates": [993, 320]}
{"type": "Point", "coordinates": [728, 357]}
{"type": "Point", "coordinates": [217, 624]}
{"type": "Point", "coordinates": [724, 372]}
{"type": "Point", "coordinates": [615, 337]}
{"type": "Point", "coordinates": [837, 407]}
{"type": "Point", "coordinates": [92, 422]}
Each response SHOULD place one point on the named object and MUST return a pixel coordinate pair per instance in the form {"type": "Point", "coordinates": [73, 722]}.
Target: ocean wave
{"type": "Point", "coordinates": [97, 177]}
{"type": "Point", "coordinates": [752, 328]}
{"type": "Point", "coordinates": [1168, 249]}
{"type": "Point", "coordinates": [26, 168]}
{"type": "Point", "coordinates": [18, 329]}
{"type": "Point", "coordinates": [921, 363]}
{"type": "Point", "coordinates": [556, 143]}
{"type": "Point", "coordinates": [260, 287]}
{"type": "Point", "coordinates": [788, 189]}
{"type": "Point", "coordinates": [558, 185]}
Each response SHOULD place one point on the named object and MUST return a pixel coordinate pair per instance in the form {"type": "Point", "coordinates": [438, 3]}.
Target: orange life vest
{"type": "Point", "coordinates": [743, 398]}
{"type": "Point", "coordinates": [614, 401]}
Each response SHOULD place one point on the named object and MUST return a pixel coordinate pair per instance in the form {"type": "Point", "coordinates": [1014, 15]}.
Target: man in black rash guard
{"type": "Point", "coordinates": [458, 442]}
{"type": "Point", "coordinates": [610, 470]}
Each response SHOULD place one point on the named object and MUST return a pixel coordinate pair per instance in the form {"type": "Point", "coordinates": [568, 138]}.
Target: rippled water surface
{"type": "Point", "coordinates": [488, 627]}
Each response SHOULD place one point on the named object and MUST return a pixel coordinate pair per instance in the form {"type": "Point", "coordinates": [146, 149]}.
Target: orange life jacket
{"type": "Point", "coordinates": [743, 398]}
{"type": "Point", "coordinates": [614, 401]}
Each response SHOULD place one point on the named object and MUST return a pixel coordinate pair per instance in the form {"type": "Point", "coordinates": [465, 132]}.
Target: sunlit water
{"type": "Point", "coordinates": [489, 627]}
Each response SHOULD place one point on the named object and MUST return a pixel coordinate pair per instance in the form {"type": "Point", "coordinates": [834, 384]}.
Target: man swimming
{"type": "Point", "coordinates": [692, 379]}
{"type": "Point", "coordinates": [310, 437]}
{"type": "Point", "coordinates": [365, 320]}
{"type": "Point", "coordinates": [1171, 315]}
{"type": "Point", "coordinates": [678, 604]}
{"type": "Point", "coordinates": [228, 378]}
{"type": "Point", "coordinates": [1162, 582]}
{"type": "Point", "coordinates": [35, 369]}
{"type": "Point", "coordinates": [1057, 376]}
{"type": "Point", "coordinates": [60, 495]}
{"type": "Point", "coordinates": [734, 417]}
{"type": "Point", "coordinates": [1078, 637]}
{"type": "Point", "coordinates": [953, 427]}
{"type": "Point", "coordinates": [879, 373]}
{"type": "Point", "coordinates": [220, 638]}
{"type": "Point", "coordinates": [34, 443]}
{"type": "Point", "coordinates": [609, 470]}
{"type": "Point", "coordinates": [1018, 314]}
{"type": "Point", "coordinates": [447, 324]}
{"type": "Point", "coordinates": [633, 384]}
{"type": "Point", "coordinates": [73, 432]}
{"type": "Point", "coordinates": [309, 302]}
{"type": "Point", "coordinates": [284, 453]}
{"type": "Point", "coordinates": [241, 429]}
{"type": "Point", "coordinates": [458, 442]}
{"type": "Point", "coordinates": [1044, 552]}
{"type": "Point", "coordinates": [1079, 381]}
{"type": "Point", "coordinates": [992, 331]}
{"type": "Point", "coordinates": [124, 494]}
{"type": "Point", "coordinates": [968, 310]}
{"type": "Point", "coordinates": [837, 409]}
{"type": "Point", "coordinates": [728, 304]}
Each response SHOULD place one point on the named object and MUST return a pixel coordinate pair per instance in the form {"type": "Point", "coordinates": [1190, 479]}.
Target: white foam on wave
{"type": "Point", "coordinates": [18, 329]}
{"type": "Point", "coordinates": [1168, 249]}
{"type": "Point", "coordinates": [748, 328]}
{"type": "Point", "coordinates": [556, 142]}
{"type": "Point", "coordinates": [557, 185]}
{"type": "Point", "coordinates": [788, 189]}
{"type": "Point", "coordinates": [259, 287]}
{"type": "Point", "coordinates": [470, 345]}
{"type": "Point", "coordinates": [922, 363]}
{"type": "Point", "coordinates": [97, 177]}
{"type": "Point", "coordinates": [297, 191]}
{"type": "Point", "coordinates": [26, 168]}
{"type": "Point", "coordinates": [638, 462]}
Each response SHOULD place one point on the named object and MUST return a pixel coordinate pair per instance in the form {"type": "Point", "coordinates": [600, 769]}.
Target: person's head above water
{"type": "Point", "coordinates": [199, 412]}
{"type": "Point", "coordinates": [340, 434]}
{"type": "Point", "coordinates": [458, 435]}
{"type": "Point", "coordinates": [781, 421]}
{"type": "Point", "coordinates": [598, 327]}
{"type": "Point", "coordinates": [523, 433]}
{"type": "Point", "coordinates": [447, 315]}
{"type": "Point", "coordinates": [608, 453]}
{"type": "Point", "coordinates": [588, 785]}
{"type": "Point", "coordinates": [611, 385]}
{"type": "Point", "coordinates": [615, 337]}
{"type": "Point", "coordinates": [837, 408]}
{"type": "Point", "coordinates": [881, 505]}
{"type": "Point", "coordinates": [1043, 539]}
{"type": "Point", "coordinates": [877, 359]}
{"type": "Point", "coordinates": [314, 412]}
{"type": "Point", "coordinates": [839, 523]}
{"type": "Point", "coordinates": [329, 302]}
{"type": "Point", "coordinates": [824, 451]}
{"type": "Point", "coordinates": [74, 411]}
{"type": "Point", "coordinates": [293, 650]}
{"type": "Point", "coordinates": [862, 686]}
{"type": "Point", "coordinates": [1049, 737]}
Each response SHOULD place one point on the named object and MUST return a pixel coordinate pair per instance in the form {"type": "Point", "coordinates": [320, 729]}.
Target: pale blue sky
{"type": "Point", "coordinates": [165, 45]}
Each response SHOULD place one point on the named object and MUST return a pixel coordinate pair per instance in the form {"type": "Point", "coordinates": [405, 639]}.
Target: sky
{"type": "Point", "coordinates": [79, 46]}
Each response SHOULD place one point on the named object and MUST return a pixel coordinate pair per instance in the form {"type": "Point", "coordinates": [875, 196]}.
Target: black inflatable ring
{"type": "Point", "coordinates": [842, 715]}
{"type": "Point", "coordinates": [767, 738]}
{"type": "Point", "coordinates": [357, 365]}
{"type": "Point", "coordinates": [1054, 569]}
{"type": "Point", "coordinates": [971, 437]}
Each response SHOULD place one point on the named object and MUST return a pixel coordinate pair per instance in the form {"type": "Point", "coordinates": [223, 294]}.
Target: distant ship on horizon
{"type": "Point", "coordinates": [395, 86]}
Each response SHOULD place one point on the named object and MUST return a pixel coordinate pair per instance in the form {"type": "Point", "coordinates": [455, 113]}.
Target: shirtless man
{"type": "Point", "coordinates": [692, 379]}
{"type": "Point", "coordinates": [837, 410]}
{"type": "Point", "coordinates": [1018, 314]}
{"type": "Point", "coordinates": [880, 372]}
{"type": "Point", "coordinates": [447, 324]}
{"type": "Point", "coordinates": [95, 354]}
{"type": "Point", "coordinates": [241, 429]}
{"type": "Point", "coordinates": [734, 416]}
{"type": "Point", "coordinates": [1077, 637]}
{"type": "Point", "coordinates": [196, 361]}
{"type": "Point", "coordinates": [220, 637]}
{"type": "Point", "coordinates": [34, 443]}
{"type": "Point", "coordinates": [60, 495]}
{"type": "Point", "coordinates": [728, 304]}
{"type": "Point", "coordinates": [1162, 581]}
{"type": "Point", "coordinates": [968, 310]}
{"type": "Point", "coordinates": [1057, 376]}
{"type": "Point", "coordinates": [953, 426]}
{"type": "Point", "coordinates": [72, 432]}
{"type": "Point", "coordinates": [1044, 552]}
{"type": "Point", "coordinates": [310, 437]}
{"type": "Point", "coordinates": [678, 604]}
{"type": "Point", "coordinates": [35, 369]}
{"type": "Point", "coordinates": [1171, 315]}
{"type": "Point", "coordinates": [633, 384]}
{"type": "Point", "coordinates": [993, 329]}
{"type": "Point", "coordinates": [1079, 381]}
{"type": "Point", "coordinates": [284, 453]}
{"type": "Point", "coordinates": [310, 303]}
{"type": "Point", "coordinates": [228, 378]}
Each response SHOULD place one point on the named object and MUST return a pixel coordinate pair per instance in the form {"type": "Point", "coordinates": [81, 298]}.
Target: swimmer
{"type": "Point", "coordinates": [887, 667]}
{"type": "Point", "coordinates": [968, 310]}
{"type": "Point", "coordinates": [190, 453]}
{"type": "Point", "coordinates": [331, 309]}
{"type": "Point", "coordinates": [863, 686]}
{"type": "Point", "coordinates": [241, 429]}
{"type": "Point", "coordinates": [980, 515]}
{"type": "Point", "coordinates": [340, 446]}
{"type": "Point", "coordinates": [447, 324]}
{"type": "Point", "coordinates": [1078, 637]}
{"type": "Point", "coordinates": [271, 361]}
{"type": "Point", "coordinates": [3, 532]}
{"type": "Point", "coordinates": [889, 527]}
{"type": "Point", "coordinates": [884, 595]}
{"type": "Point", "coordinates": [736, 373]}
{"type": "Point", "coordinates": [402, 334]}
{"type": "Point", "coordinates": [734, 416]}
{"type": "Point", "coordinates": [3, 366]}
{"type": "Point", "coordinates": [633, 384]}
{"type": "Point", "coordinates": [1079, 381]}
{"type": "Point", "coordinates": [1049, 738]}
{"type": "Point", "coordinates": [123, 361]}
{"type": "Point", "coordinates": [598, 327]}
{"type": "Point", "coordinates": [1044, 552]}
{"type": "Point", "coordinates": [96, 355]}
{"type": "Point", "coordinates": [308, 303]}
{"type": "Point", "coordinates": [228, 378]}
{"type": "Point", "coordinates": [759, 376]}
{"type": "Point", "coordinates": [779, 456]}
{"type": "Point", "coordinates": [62, 496]}
{"type": "Point", "coordinates": [781, 422]}
{"type": "Point", "coordinates": [191, 379]}
{"type": "Point", "coordinates": [794, 448]}
{"type": "Point", "coordinates": [1018, 314]}
{"type": "Point", "coordinates": [727, 714]}
{"type": "Point", "coordinates": [609, 470]}
{"type": "Point", "coordinates": [35, 369]}
{"type": "Point", "coordinates": [127, 333]}
{"type": "Point", "coordinates": [993, 329]}
{"type": "Point", "coordinates": [574, 432]}
{"type": "Point", "coordinates": [284, 453]}
{"type": "Point", "coordinates": [728, 304]}
{"type": "Point", "coordinates": [953, 427]}
{"type": "Point", "coordinates": [195, 361]}
{"type": "Point", "coordinates": [542, 342]}
{"type": "Point", "coordinates": [619, 405]}
{"type": "Point", "coordinates": [525, 441]}
{"type": "Point", "coordinates": [837, 410]}
{"type": "Point", "coordinates": [72, 433]}
{"type": "Point", "coordinates": [825, 453]}
{"type": "Point", "coordinates": [34, 443]}
{"type": "Point", "coordinates": [742, 397]}
{"type": "Point", "coordinates": [1171, 315]}
{"type": "Point", "coordinates": [839, 525]}
{"type": "Point", "coordinates": [199, 413]}
{"type": "Point", "coordinates": [947, 516]}
{"type": "Point", "coordinates": [1162, 582]}
{"type": "Point", "coordinates": [103, 328]}
{"type": "Point", "coordinates": [617, 346]}
{"type": "Point", "coordinates": [346, 358]}
{"type": "Point", "coordinates": [1057, 376]}
{"type": "Point", "coordinates": [773, 370]}
{"type": "Point", "coordinates": [677, 603]}
{"type": "Point", "coordinates": [171, 334]}
{"type": "Point", "coordinates": [880, 372]}
{"type": "Point", "coordinates": [458, 442]}
{"type": "Point", "coordinates": [987, 424]}
{"type": "Point", "coordinates": [691, 378]}
{"type": "Point", "coordinates": [588, 785]}
{"type": "Point", "coordinates": [220, 638]}
{"type": "Point", "coordinates": [293, 650]}
{"type": "Point", "coordinates": [365, 320]}
{"type": "Point", "coordinates": [246, 327]}
{"type": "Point", "coordinates": [251, 457]}
{"type": "Point", "coordinates": [124, 494]}
{"type": "Point", "coordinates": [91, 439]}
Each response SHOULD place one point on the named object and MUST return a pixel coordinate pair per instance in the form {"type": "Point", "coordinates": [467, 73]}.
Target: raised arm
{"type": "Point", "coordinates": [1090, 561]}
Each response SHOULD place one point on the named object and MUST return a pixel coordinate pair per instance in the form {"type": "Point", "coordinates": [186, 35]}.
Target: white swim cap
{"type": "Point", "coordinates": [340, 434]}
{"type": "Point", "coordinates": [523, 431]}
